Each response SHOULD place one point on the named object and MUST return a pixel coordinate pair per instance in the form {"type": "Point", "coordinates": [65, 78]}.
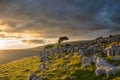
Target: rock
{"type": "Point", "coordinates": [43, 67]}
{"type": "Point", "coordinates": [90, 51]}
{"type": "Point", "coordinates": [113, 50]}
{"type": "Point", "coordinates": [116, 58]}
{"type": "Point", "coordinates": [108, 70]}
{"type": "Point", "coordinates": [86, 61]}
{"type": "Point", "coordinates": [33, 76]}
{"type": "Point", "coordinates": [104, 50]}
{"type": "Point", "coordinates": [99, 71]}
{"type": "Point", "coordinates": [45, 57]}
{"type": "Point", "coordinates": [65, 67]}
{"type": "Point", "coordinates": [103, 67]}
{"type": "Point", "coordinates": [110, 52]}
{"type": "Point", "coordinates": [83, 52]}
{"type": "Point", "coordinates": [76, 49]}
{"type": "Point", "coordinates": [100, 62]}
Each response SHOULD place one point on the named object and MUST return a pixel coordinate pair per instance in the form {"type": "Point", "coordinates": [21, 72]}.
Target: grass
{"type": "Point", "coordinates": [20, 69]}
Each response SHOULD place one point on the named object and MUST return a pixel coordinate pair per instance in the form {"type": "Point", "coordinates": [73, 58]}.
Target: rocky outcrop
{"type": "Point", "coordinates": [86, 61]}
{"type": "Point", "coordinates": [116, 58]}
{"type": "Point", "coordinates": [113, 50]}
{"type": "Point", "coordinates": [86, 50]}
{"type": "Point", "coordinates": [104, 67]}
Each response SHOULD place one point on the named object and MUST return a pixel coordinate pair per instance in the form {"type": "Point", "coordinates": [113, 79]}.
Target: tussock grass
{"type": "Point", "coordinates": [20, 69]}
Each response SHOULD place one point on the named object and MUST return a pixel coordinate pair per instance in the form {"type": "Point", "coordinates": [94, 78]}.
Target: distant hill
{"type": "Point", "coordinates": [11, 55]}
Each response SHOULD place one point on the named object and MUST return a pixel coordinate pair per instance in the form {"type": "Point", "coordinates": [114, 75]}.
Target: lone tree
{"type": "Point", "coordinates": [61, 39]}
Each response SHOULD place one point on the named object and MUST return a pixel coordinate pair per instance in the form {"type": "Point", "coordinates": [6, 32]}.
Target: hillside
{"type": "Point", "coordinates": [11, 55]}
{"type": "Point", "coordinates": [20, 69]}
{"type": "Point", "coordinates": [97, 59]}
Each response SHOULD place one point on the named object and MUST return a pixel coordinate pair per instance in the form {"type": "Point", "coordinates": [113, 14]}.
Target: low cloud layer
{"type": "Point", "coordinates": [33, 41]}
{"type": "Point", "coordinates": [78, 19]}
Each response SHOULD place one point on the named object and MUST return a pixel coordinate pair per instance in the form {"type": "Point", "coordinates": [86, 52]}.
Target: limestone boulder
{"type": "Point", "coordinates": [33, 76]}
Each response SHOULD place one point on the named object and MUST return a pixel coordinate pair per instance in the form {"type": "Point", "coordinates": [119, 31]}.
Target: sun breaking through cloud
{"type": "Point", "coordinates": [43, 21]}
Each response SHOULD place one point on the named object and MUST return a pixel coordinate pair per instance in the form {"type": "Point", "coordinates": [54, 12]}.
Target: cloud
{"type": "Point", "coordinates": [2, 35]}
{"type": "Point", "coordinates": [33, 41]}
{"type": "Point", "coordinates": [9, 36]}
{"type": "Point", "coordinates": [78, 19]}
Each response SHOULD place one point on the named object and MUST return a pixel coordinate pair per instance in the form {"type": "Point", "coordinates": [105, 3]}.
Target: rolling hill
{"type": "Point", "coordinates": [11, 55]}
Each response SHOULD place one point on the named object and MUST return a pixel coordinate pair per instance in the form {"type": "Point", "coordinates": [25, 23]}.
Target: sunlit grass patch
{"type": "Point", "coordinates": [20, 69]}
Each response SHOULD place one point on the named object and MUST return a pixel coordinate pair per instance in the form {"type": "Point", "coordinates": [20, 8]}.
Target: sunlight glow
{"type": "Point", "coordinates": [8, 44]}
{"type": "Point", "coordinates": [2, 44]}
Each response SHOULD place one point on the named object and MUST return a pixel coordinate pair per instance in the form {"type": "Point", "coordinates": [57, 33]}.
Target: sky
{"type": "Point", "coordinates": [30, 23]}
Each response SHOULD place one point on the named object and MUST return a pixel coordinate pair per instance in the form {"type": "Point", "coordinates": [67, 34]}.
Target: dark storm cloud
{"type": "Point", "coordinates": [61, 17]}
